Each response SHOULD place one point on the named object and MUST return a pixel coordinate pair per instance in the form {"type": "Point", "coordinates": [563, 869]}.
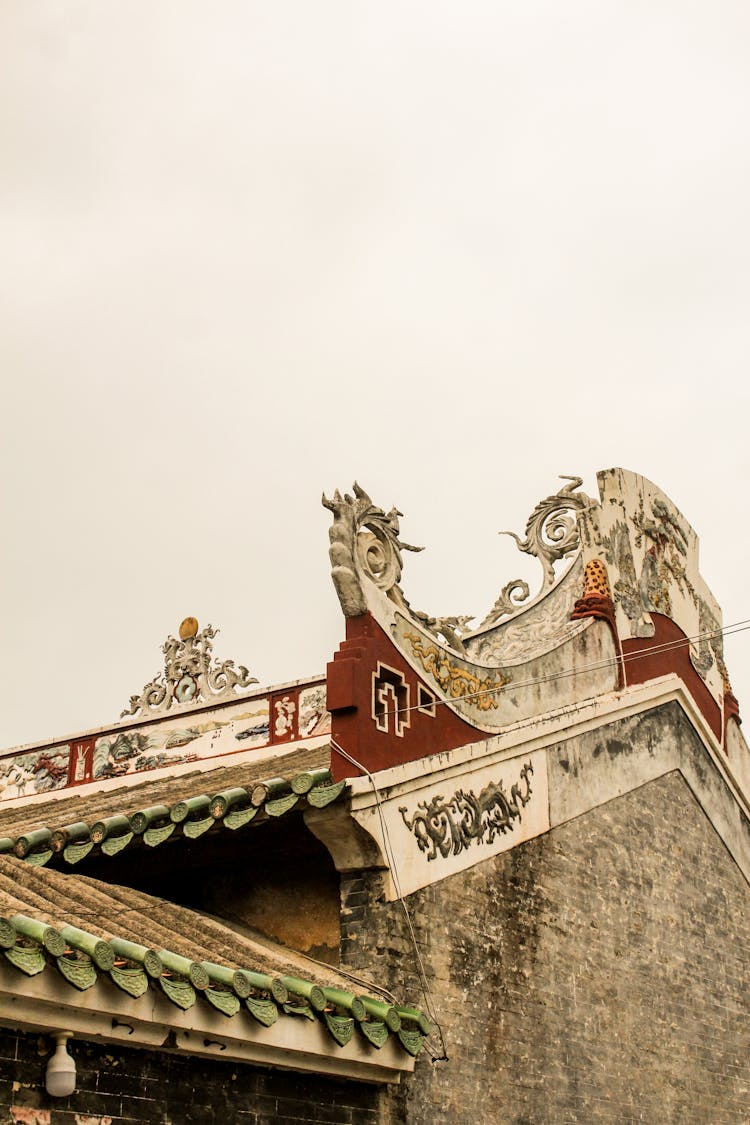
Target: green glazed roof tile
{"type": "Point", "coordinates": [264, 1011]}
{"type": "Point", "coordinates": [74, 853]}
{"type": "Point", "coordinates": [30, 840]}
{"type": "Point", "coordinates": [82, 958]}
{"type": "Point", "coordinates": [281, 805]}
{"type": "Point", "coordinates": [79, 971]}
{"type": "Point", "coordinates": [132, 981]}
{"type": "Point", "coordinates": [152, 837]}
{"type": "Point", "coordinates": [340, 1027]}
{"type": "Point", "coordinates": [68, 834]}
{"type": "Point", "coordinates": [223, 1001]}
{"type": "Point", "coordinates": [232, 808]}
{"type": "Point", "coordinates": [195, 828]}
{"type": "Point", "coordinates": [411, 1040]}
{"type": "Point", "coordinates": [180, 992]}
{"type": "Point", "coordinates": [114, 844]}
{"type": "Point", "coordinates": [375, 1032]}
{"type": "Point", "coordinates": [28, 958]}
{"type": "Point", "coordinates": [322, 795]}
{"type": "Point", "coordinates": [238, 818]}
{"type": "Point", "coordinates": [38, 859]}
{"type": "Point", "coordinates": [144, 818]}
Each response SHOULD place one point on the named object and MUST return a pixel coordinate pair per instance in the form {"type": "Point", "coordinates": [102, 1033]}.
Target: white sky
{"type": "Point", "coordinates": [249, 252]}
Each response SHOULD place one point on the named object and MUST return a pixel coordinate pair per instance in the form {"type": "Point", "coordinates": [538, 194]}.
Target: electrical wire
{"type": "Point", "coordinates": [596, 665]}
{"type": "Point", "coordinates": [390, 856]}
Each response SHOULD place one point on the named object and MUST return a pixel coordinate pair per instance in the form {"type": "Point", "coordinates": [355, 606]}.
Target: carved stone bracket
{"type": "Point", "coordinates": [189, 675]}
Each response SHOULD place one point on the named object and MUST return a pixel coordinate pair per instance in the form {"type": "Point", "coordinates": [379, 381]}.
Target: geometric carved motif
{"type": "Point", "coordinates": [390, 700]}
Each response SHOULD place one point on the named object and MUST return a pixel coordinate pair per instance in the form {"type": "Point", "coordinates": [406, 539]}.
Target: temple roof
{"type": "Point", "coordinates": [89, 931]}
{"type": "Point", "coordinates": [71, 828]}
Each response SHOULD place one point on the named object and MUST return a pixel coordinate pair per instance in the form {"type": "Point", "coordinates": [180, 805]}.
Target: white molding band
{"type": "Point", "coordinates": [46, 1003]}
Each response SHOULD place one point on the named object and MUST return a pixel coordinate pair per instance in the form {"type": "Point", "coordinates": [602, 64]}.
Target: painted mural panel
{"type": "Point", "coordinates": [284, 717]}
{"type": "Point", "coordinates": [189, 737]}
{"type": "Point", "coordinates": [38, 772]}
{"type": "Point", "coordinates": [153, 747]}
{"type": "Point", "coordinates": [313, 718]}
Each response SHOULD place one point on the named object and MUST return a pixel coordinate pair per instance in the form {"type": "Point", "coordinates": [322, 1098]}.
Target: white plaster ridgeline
{"type": "Point", "coordinates": [583, 665]}
{"type": "Point", "coordinates": [180, 742]}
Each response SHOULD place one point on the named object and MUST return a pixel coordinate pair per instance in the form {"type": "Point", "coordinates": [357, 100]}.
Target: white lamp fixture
{"type": "Point", "coordinates": [60, 1079]}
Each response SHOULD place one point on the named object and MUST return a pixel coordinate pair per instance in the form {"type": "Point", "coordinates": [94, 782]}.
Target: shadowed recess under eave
{"type": "Point", "coordinates": [87, 929]}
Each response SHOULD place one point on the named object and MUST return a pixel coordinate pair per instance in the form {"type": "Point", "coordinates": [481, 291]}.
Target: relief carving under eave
{"type": "Point", "coordinates": [189, 674]}
{"type": "Point", "coordinates": [443, 828]}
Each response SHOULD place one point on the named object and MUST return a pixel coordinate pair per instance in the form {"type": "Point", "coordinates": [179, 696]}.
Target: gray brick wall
{"type": "Point", "coordinates": [133, 1087]}
{"type": "Point", "coordinates": [598, 973]}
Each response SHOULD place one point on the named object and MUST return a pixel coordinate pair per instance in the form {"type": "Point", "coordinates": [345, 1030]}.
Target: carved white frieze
{"type": "Point", "coordinates": [540, 627]}
{"type": "Point", "coordinates": [435, 830]}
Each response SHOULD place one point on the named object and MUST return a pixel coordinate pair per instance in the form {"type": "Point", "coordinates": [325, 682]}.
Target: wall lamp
{"type": "Point", "coordinates": [60, 1079]}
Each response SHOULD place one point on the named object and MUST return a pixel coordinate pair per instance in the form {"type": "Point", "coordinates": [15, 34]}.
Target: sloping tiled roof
{"type": "Point", "coordinates": [73, 827]}
{"type": "Point", "coordinates": [86, 930]}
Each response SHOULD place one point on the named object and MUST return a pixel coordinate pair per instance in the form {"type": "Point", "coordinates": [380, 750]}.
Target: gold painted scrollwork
{"type": "Point", "coordinates": [454, 681]}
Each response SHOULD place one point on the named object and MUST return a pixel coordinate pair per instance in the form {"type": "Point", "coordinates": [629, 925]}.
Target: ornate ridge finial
{"type": "Point", "coordinates": [364, 543]}
{"type": "Point", "coordinates": [188, 674]}
{"type": "Point", "coordinates": [551, 535]}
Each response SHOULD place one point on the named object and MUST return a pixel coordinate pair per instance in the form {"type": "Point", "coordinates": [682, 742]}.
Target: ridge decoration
{"type": "Point", "coordinates": [364, 542]}
{"type": "Point", "coordinates": [455, 682]}
{"type": "Point", "coordinates": [450, 827]}
{"type": "Point", "coordinates": [189, 676]}
{"type": "Point", "coordinates": [551, 535]}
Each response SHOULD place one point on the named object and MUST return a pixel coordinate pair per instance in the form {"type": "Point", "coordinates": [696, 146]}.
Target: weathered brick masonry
{"type": "Point", "coordinates": [597, 973]}
{"type": "Point", "coordinates": [126, 1087]}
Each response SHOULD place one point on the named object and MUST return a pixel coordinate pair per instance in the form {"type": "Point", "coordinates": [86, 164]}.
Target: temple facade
{"type": "Point", "coordinates": [491, 870]}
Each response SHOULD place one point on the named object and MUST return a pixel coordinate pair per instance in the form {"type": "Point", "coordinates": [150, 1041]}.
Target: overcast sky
{"type": "Point", "coordinates": [250, 252]}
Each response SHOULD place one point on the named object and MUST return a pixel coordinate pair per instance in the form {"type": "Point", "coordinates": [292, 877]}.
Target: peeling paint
{"type": "Point", "coordinates": [27, 1115]}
